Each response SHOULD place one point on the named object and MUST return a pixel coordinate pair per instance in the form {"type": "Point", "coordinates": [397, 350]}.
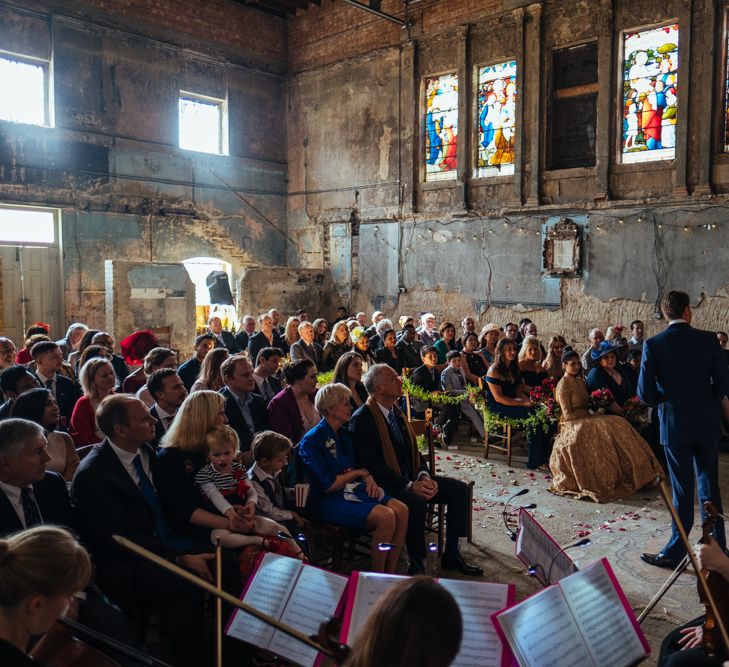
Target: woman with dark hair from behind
{"type": "Point", "coordinates": [210, 378]}
{"type": "Point", "coordinates": [39, 406]}
{"type": "Point", "coordinates": [291, 412]}
{"type": "Point", "coordinates": [348, 372]}
{"type": "Point", "coordinates": [417, 622]}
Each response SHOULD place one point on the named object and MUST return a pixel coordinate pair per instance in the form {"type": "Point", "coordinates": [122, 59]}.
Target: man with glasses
{"type": "Point", "coordinates": [596, 337]}
{"type": "Point", "coordinates": [121, 370]}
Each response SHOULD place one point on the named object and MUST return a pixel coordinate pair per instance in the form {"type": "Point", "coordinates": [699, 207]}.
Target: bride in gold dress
{"type": "Point", "coordinates": [600, 457]}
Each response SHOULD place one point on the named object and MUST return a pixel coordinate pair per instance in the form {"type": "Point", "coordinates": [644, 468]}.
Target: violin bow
{"type": "Point", "coordinates": [225, 596]}
{"type": "Point", "coordinates": [694, 562]}
{"type": "Point", "coordinates": [218, 604]}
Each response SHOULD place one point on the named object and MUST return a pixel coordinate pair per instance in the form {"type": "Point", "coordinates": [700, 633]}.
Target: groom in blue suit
{"type": "Point", "coordinates": [684, 372]}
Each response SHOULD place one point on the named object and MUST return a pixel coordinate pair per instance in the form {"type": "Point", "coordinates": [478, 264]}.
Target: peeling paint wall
{"type": "Point", "coordinates": [112, 162]}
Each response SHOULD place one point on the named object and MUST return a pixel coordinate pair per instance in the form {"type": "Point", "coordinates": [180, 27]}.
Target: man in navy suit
{"type": "Point", "coordinates": [684, 372]}
{"type": "Point", "coordinates": [222, 337]}
{"type": "Point", "coordinates": [49, 360]}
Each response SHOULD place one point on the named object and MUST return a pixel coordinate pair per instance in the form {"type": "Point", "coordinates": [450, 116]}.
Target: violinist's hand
{"type": "Point", "coordinates": [692, 637]}
{"type": "Point", "coordinates": [197, 564]}
{"type": "Point", "coordinates": [711, 557]}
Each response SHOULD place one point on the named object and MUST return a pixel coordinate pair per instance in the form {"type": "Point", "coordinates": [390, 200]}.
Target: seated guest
{"type": "Point", "coordinates": [468, 325]}
{"type": "Point", "coordinates": [210, 378]}
{"type": "Point", "coordinates": [70, 342]}
{"type": "Point", "coordinates": [321, 331]}
{"type": "Point", "coordinates": [523, 322]}
{"type": "Point", "coordinates": [75, 357]}
{"type": "Point", "coordinates": [342, 494]}
{"type": "Point", "coordinates": [224, 486]}
{"type": "Point", "coordinates": [8, 352]}
{"type": "Point", "coordinates": [387, 354]}
{"type": "Point", "coordinates": [160, 357]}
{"type": "Point", "coordinates": [39, 406]}
{"type": "Point", "coordinates": [336, 346]}
{"type": "Point", "coordinates": [361, 318]}
{"type": "Point", "coordinates": [607, 375]}
{"type": "Point", "coordinates": [117, 490]}
{"type": "Point", "coordinates": [511, 331]}
{"type": "Point", "coordinates": [362, 346]}
{"type": "Point", "coordinates": [476, 365]}
{"type": "Point", "coordinates": [377, 316]}
{"type": "Point", "coordinates": [168, 391]}
{"type": "Point", "coordinates": [446, 341]}
{"type": "Point", "coordinates": [93, 352]}
{"type": "Point", "coordinates": [41, 569]}
{"type": "Point", "coordinates": [376, 341]}
{"type": "Point", "coordinates": [427, 376]}
{"type": "Point", "coordinates": [301, 315]}
{"type": "Point", "coordinates": [490, 335]}
{"type": "Point", "coordinates": [637, 329]}
{"type": "Point", "coordinates": [453, 381]}
{"type": "Point", "coordinates": [530, 329]}
{"type": "Point", "coordinates": [266, 373]}
{"type": "Point", "coordinates": [507, 396]}
{"type": "Point", "coordinates": [248, 328]}
{"type": "Point", "coordinates": [341, 315]}
{"type": "Point", "coordinates": [24, 356]}
{"type": "Point", "coordinates": [135, 348]}
{"type": "Point", "coordinates": [596, 338]}
{"type": "Point", "coordinates": [403, 321]}
{"type": "Point", "coordinates": [98, 381]}
{"type": "Point", "coordinates": [385, 446]}
{"type": "Point", "coordinates": [530, 364]}
{"type": "Point", "coordinates": [348, 372]}
{"type": "Point", "coordinates": [408, 352]}
{"type": "Point", "coordinates": [245, 410]}
{"type": "Point", "coordinates": [276, 321]}
{"type": "Point", "coordinates": [291, 331]}
{"type": "Point", "coordinates": [271, 453]}
{"type": "Point", "coordinates": [553, 363]}
{"type": "Point", "coordinates": [121, 370]}
{"type": "Point", "coordinates": [15, 380]}
{"type": "Point", "coordinates": [426, 330]}
{"type": "Point", "coordinates": [222, 337]}
{"type": "Point", "coordinates": [306, 347]}
{"type": "Point", "coordinates": [190, 370]}
{"type": "Point", "coordinates": [48, 359]}
{"type": "Point", "coordinates": [291, 412]}
{"type": "Point", "coordinates": [395, 631]}
{"type": "Point", "coordinates": [266, 337]}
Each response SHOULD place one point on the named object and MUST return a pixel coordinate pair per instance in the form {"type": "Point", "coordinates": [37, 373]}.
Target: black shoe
{"type": "Point", "coordinates": [416, 568]}
{"type": "Point", "coordinates": [457, 563]}
{"type": "Point", "coordinates": [659, 560]}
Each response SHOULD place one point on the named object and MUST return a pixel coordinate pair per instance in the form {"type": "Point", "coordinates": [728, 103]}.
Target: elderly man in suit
{"type": "Point", "coordinates": [245, 410]}
{"type": "Point", "coordinates": [306, 347]}
{"type": "Point", "coordinates": [684, 372]}
{"type": "Point", "coordinates": [385, 445]}
{"type": "Point", "coordinates": [223, 338]}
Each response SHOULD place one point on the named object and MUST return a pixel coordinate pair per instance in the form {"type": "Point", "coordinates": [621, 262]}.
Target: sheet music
{"type": "Point", "coordinates": [533, 545]}
{"type": "Point", "coordinates": [316, 595]}
{"type": "Point", "coordinates": [602, 618]}
{"type": "Point", "coordinates": [480, 646]}
{"type": "Point", "coordinates": [268, 592]}
{"type": "Point", "coordinates": [543, 633]}
{"type": "Point", "coordinates": [371, 587]}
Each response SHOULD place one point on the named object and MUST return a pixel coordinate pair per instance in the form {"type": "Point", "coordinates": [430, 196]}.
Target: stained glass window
{"type": "Point", "coordinates": [496, 119]}
{"type": "Point", "coordinates": [441, 127]}
{"type": "Point", "coordinates": [650, 89]}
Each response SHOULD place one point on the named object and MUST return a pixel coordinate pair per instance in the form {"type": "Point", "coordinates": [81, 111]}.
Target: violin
{"type": "Point", "coordinates": [712, 640]}
{"type": "Point", "coordinates": [60, 648]}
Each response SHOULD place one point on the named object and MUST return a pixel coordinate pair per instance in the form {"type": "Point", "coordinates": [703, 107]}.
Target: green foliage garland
{"type": "Point", "coordinates": [324, 378]}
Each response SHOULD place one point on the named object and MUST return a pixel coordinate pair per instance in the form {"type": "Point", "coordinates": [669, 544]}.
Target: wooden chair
{"type": "Point", "coordinates": [503, 436]}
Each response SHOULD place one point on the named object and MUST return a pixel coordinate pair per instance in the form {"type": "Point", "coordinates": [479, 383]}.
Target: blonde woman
{"type": "Point", "coordinates": [291, 331]}
{"type": "Point", "coordinates": [97, 381]}
{"type": "Point", "coordinates": [339, 343]}
{"type": "Point", "coordinates": [530, 362]}
{"type": "Point", "coordinates": [210, 377]}
{"type": "Point", "coordinates": [40, 570]}
{"type": "Point", "coordinates": [183, 453]}
{"type": "Point", "coordinates": [553, 363]}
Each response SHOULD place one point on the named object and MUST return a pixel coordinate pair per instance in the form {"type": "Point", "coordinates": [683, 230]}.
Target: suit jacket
{"type": "Point", "coordinates": [425, 337]}
{"type": "Point", "coordinates": [189, 372]}
{"type": "Point", "coordinates": [229, 342]}
{"type": "Point", "coordinates": [409, 355]}
{"type": "Point", "coordinates": [108, 502]}
{"type": "Point", "coordinates": [273, 382]}
{"type": "Point", "coordinates": [300, 350]}
{"type": "Point", "coordinates": [369, 454]}
{"type": "Point", "coordinates": [684, 371]}
{"type": "Point", "coordinates": [121, 370]}
{"type": "Point", "coordinates": [423, 377]}
{"type": "Point", "coordinates": [242, 339]}
{"type": "Point", "coordinates": [450, 379]}
{"type": "Point", "coordinates": [238, 423]}
{"type": "Point", "coordinates": [67, 393]}
{"type": "Point", "coordinates": [159, 429]}
{"type": "Point", "coordinates": [258, 341]}
{"type": "Point", "coordinates": [51, 495]}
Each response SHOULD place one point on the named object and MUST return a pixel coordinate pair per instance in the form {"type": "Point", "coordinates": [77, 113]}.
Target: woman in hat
{"type": "Point", "coordinates": [608, 375]}
{"type": "Point", "coordinates": [490, 335]}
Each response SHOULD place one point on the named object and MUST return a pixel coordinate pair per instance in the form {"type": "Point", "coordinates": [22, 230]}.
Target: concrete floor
{"type": "Point", "coordinates": [619, 531]}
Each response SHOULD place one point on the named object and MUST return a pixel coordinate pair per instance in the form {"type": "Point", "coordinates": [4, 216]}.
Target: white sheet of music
{"type": "Point", "coordinates": [602, 618]}
{"type": "Point", "coordinates": [480, 646]}
{"type": "Point", "coordinates": [268, 592]}
{"type": "Point", "coordinates": [543, 633]}
{"type": "Point", "coordinates": [316, 595]}
{"type": "Point", "coordinates": [371, 586]}
{"type": "Point", "coordinates": [534, 546]}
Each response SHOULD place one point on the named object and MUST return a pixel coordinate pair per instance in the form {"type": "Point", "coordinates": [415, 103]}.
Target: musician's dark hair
{"type": "Point", "coordinates": [674, 303]}
{"type": "Point", "coordinates": [417, 622]}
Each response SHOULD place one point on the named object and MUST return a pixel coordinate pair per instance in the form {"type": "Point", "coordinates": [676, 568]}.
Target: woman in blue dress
{"type": "Point", "coordinates": [343, 495]}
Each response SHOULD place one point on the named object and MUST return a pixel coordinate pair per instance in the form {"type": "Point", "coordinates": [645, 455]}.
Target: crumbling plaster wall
{"type": "Point", "coordinates": [358, 204]}
{"type": "Point", "coordinates": [111, 163]}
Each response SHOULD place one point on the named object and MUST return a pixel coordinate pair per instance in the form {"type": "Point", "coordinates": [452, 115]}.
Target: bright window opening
{"type": "Point", "coordinates": [24, 98]}
{"type": "Point", "coordinates": [202, 124]}
{"type": "Point", "coordinates": [27, 226]}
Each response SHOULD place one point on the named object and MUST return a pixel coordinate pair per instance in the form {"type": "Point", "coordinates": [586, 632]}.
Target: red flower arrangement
{"type": "Point", "coordinates": [600, 399]}
{"type": "Point", "coordinates": [544, 395]}
{"type": "Point", "coordinates": [636, 412]}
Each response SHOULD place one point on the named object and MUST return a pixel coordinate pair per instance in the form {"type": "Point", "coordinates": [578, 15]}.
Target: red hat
{"type": "Point", "coordinates": [136, 346]}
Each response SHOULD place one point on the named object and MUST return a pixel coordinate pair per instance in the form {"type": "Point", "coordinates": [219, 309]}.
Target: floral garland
{"type": "Point", "coordinates": [324, 378]}
{"type": "Point", "coordinates": [430, 397]}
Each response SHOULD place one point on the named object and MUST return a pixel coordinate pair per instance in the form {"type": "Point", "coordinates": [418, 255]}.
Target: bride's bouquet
{"type": "Point", "coordinates": [636, 412]}
{"type": "Point", "coordinates": [600, 400]}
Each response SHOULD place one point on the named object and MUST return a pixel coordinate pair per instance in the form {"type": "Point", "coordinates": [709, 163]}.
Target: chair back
{"type": "Point", "coordinates": [429, 441]}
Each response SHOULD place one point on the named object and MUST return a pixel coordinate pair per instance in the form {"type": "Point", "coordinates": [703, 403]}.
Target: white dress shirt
{"type": "Point", "coordinates": [127, 460]}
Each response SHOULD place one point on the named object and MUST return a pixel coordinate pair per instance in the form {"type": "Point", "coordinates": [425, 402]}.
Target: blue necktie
{"type": "Point", "coordinates": [164, 532]}
{"type": "Point", "coordinates": [395, 430]}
